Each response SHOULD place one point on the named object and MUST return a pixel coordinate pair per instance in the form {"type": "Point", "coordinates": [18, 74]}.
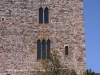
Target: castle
{"type": "Point", "coordinates": [31, 29]}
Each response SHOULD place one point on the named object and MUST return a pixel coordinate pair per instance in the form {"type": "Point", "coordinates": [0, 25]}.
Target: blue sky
{"type": "Point", "coordinates": [92, 33]}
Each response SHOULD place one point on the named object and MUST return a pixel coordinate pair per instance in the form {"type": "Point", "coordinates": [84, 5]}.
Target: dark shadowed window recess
{"type": "Point", "coordinates": [66, 50]}
{"type": "Point", "coordinates": [38, 49]}
{"type": "Point", "coordinates": [46, 15]}
{"type": "Point", "coordinates": [48, 49]}
{"type": "Point", "coordinates": [41, 15]}
{"type": "Point", "coordinates": [43, 49]}
{"type": "Point", "coordinates": [3, 19]}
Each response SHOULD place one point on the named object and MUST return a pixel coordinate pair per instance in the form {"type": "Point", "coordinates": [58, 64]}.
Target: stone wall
{"type": "Point", "coordinates": [20, 31]}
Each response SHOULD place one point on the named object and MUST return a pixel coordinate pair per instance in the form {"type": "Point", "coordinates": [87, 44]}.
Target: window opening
{"type": "Point", "coordinates": [43, 49]}
{"type": "Point", "coordinates": [46, 16]}
{"type": "Point", "coordinates": [2, 19]}
{"type": "Point", "coordinates": [41, 15]}
{"type": "Point", "coordinates": [66, 50]}
{"type": "Point", "coordinates": [48, 48]}
{"type": "Point", "coordinates": [38, 49]}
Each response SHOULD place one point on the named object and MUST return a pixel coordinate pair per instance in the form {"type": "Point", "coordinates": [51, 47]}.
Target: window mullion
{"type": "Point", "coordinates": [43, 16]}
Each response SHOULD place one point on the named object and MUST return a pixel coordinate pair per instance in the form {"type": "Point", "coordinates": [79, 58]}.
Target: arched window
{"type": "Point", "coordinates": [46, 15]}
{"type": "Point", "coordinates": [66, 50]}
{"type": "Point", "coordinates": [48, 48]}
{"type": "Point", "coordinates": [38, 49]}
{"type": "Point", "coordinates": [40, 15]}
{"type": "Point", "coordinates": [43, 49]}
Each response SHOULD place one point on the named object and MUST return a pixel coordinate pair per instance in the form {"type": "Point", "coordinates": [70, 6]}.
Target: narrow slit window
{"type": "Point", "coordinates": [48, 49]}
{"type": "Point", "coordinates": [38, 49]}
{"type": "Point", "coordinates": [66, 50]}
{"type": "Point", "coordinates": [2, 19]}
{"type": "Point", "coordinates": [43, 49]}
{"type": "Point", "coordinates": [46, 15]}
{"type": "Point", "coordinates": [41, 15]}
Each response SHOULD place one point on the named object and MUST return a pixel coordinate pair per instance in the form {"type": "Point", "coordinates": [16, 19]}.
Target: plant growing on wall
{"type": "Point", "coordinates": [52, 66]}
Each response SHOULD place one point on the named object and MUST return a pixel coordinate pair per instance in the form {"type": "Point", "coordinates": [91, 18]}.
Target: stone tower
{"type": "Point", "coordinates": [21, 28]}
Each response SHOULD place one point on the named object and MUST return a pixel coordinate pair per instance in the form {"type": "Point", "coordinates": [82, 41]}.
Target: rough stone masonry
{"type": "Point", "coordinates": [20, 30]}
